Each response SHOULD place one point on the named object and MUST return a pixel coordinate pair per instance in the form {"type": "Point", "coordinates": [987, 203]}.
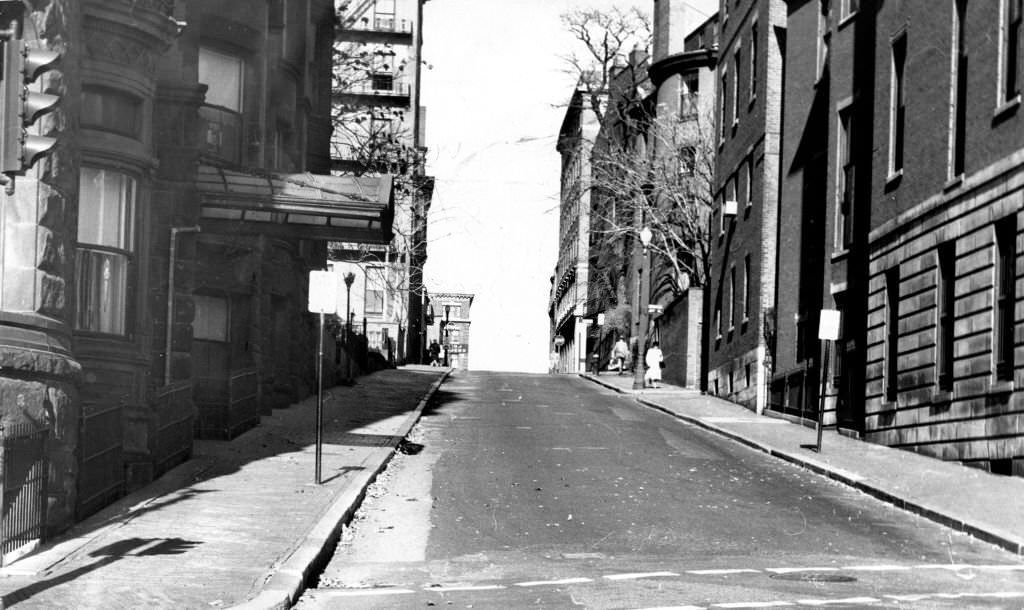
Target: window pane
{"type": "Point", "coordinates": [102, 281]}
{"type": "Point", "coordinates": [112, 111]}
{"type": "Point", "coordinates": [211, 319]}
{"type": "Point", "coordinates": [223, 75]}
{"type": "Point", "coordinates": [105, 208]}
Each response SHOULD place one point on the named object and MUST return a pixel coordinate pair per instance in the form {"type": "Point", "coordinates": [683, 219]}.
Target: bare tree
{"type": "Point", "coordinates": [604, 40]}
{"type": "Point", "coordinates": [663, 178]}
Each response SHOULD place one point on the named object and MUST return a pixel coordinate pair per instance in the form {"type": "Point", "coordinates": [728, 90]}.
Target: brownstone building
{"type": "Point", "coordinates": [154, 267]}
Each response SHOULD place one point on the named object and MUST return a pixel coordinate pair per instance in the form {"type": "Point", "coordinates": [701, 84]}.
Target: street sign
{"type": "Point", "coordinates": [323, 292]}
{"type": "Point", "coordinates": [828, 326]}
{"type": "Point", "coordinates": [600, 319]}
{"type": "Point", "coordinates": [652, 308]}
{"type": "Point", "coordinates": [559, 341]}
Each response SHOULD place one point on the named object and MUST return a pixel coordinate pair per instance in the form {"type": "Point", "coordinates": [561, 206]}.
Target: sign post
{"type": "Point", "coordinates": [828, 331]}
{"type": "Point", "coordinates": [322, 300]}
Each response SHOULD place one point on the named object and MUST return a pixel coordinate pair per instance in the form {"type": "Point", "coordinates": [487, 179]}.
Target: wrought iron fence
{"type": "Point", "coordinates": [25, 469]}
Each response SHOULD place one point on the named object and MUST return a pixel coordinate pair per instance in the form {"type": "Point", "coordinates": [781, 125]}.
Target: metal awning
{"type": "Point", "coordinates": [307, 206]}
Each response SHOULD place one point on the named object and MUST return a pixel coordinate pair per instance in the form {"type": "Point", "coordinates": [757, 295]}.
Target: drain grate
{"type": "Point", "coordinates": [814, 577]}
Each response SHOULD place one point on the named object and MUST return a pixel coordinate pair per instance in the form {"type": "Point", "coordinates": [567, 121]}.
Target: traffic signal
{"type": "Point", "coordinates": [21, 108]}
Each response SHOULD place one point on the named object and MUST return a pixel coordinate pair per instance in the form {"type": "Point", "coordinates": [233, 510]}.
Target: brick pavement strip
{"type": "Point", "coordinates": [242, 522]}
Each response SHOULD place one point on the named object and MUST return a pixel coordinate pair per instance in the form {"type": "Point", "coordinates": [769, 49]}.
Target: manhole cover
{"type": "Point", "coordinates": [814, 577]}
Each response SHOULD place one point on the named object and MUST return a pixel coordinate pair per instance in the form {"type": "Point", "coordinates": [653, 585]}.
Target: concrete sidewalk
{"type": "Point", "coordinates": [243, 522]}
{"type": "Point", "coordinates": [987, 506]}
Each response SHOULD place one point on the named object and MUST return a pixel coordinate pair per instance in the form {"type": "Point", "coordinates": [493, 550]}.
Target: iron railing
{"type": "Point", "coordinates": [25, 468]}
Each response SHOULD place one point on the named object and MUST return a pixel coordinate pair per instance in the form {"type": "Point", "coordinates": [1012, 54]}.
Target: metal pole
{"type": "Point", "coordinates": [319, 397]}
{"type": "Point", "coordinates": [821, 396]}
{"type": "Point", "coordinates": [645, 296]}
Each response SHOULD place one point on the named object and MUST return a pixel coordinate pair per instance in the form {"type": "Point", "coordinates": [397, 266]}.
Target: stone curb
{"type": "Point", "coordinates": [980, 531]}
{"type": "Point", "coordinates": [287, 583]}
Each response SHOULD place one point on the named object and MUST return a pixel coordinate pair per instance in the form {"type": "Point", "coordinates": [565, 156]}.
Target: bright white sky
{"type": "Point", "coordinates": [495, 99]}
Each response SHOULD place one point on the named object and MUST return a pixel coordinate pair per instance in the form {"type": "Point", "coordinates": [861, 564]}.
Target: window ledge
{"type": "Point", "coordinates": [840, 254]}
{"type": "Point", "coordinates": [1007, 107]}
{"type": "Point", "coordinates": [953, 183]}
{"type": "Point", "coordinates": [893, 178]}
{"type": "Point", "coordinates": [1003, 386]}
{"type": "Point", "coordinates": [941, 397]}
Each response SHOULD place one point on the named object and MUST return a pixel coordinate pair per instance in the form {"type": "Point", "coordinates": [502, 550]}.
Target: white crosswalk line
{"type": "Point", "coordinates": [724, 571]}
{"type": "Point", "coordinates": [446, 589]}
{"type": "Point", "coordinates": [638, 575]}
{"type": "Point", "coordinates": [845, 600]}
{"type": "Point", "coordinates": [564, 581]}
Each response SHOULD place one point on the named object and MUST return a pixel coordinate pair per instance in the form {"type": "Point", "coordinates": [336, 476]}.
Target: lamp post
{"type": "Point", "coordinates": [349, 278]}
{"type": "Point", "coordinates": [444, 333]}
{"type": "Point", "coordinates": [645, 296]}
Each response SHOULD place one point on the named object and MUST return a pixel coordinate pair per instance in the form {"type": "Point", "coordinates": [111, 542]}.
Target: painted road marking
{"type": "Point", "coordinates": [361, 592]}
{"type": "Point", "coordinates": [637, 575]}
{"type": "Point", "coordinates": [723, 571]}
{"type": "Point", "coordinates": [879, 568]}
{"type": "Point", "coordinates": [846, 600]}
{"type": "Point", "coordinates": [752, 604]}
{"type": "Point", "coordinates": [793, 570]}
{"type": "Point", "coordinates": [445, 589]}
{"type": "Point", "coordinates": [564, 581]}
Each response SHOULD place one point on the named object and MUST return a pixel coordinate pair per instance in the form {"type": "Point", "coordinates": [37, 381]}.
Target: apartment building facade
{"type": "Point", "coordinates": [379, 129]}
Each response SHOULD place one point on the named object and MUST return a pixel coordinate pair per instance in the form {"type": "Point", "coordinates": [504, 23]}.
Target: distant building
{"type": "Point", "coordinates": [569, 292]}
{"type": "Point", "coordinates": [452, 319]}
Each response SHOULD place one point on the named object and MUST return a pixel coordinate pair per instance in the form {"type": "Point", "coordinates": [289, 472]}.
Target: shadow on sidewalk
{"type": "Point", "coordinates": [109, 554]}
{"type": "Point", "coordinates": [350, 414]}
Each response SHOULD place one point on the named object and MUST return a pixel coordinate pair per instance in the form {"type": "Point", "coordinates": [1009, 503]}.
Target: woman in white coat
{"type": "Point", "coordinates": [653, 361]}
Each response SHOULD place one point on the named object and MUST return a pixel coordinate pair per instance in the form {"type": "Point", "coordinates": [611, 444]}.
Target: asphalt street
{"type": "Point", "coordinates": [550, 491]}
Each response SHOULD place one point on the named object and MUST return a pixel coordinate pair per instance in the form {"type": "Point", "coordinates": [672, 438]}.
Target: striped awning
{"type": "Point", "coordinates": [307, 206]}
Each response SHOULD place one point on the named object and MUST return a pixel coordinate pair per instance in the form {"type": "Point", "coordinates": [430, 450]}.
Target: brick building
{"type": "Point", "coordinates": [918, 161]}
{"type": "Point", "coordinates": [744, 228]}
{"type": "Point", "coordinates": [452, 319]}
{"type": "Point", "coordinates": [944, 350]}
{"type": "Point", "coordinates": [683, 77]}
{"type": "Point", "coordinates": [154, 264]}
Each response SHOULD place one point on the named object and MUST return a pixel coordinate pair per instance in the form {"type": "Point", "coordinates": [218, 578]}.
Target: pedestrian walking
{"type": "Point", "coordinates": [435, 354]}
{"type": "Point", "coordinates": [654, 360]}
{"type": "Point", "coordinates": [553, 362]}
{"type": "Point", "coordinates": [620, 351]}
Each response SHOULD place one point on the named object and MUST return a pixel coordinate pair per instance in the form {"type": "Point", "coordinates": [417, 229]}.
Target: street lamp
{"type": "Point", "coordinates": [349, 278]}
{"type": "Point", "coordinates": [645, 296]}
